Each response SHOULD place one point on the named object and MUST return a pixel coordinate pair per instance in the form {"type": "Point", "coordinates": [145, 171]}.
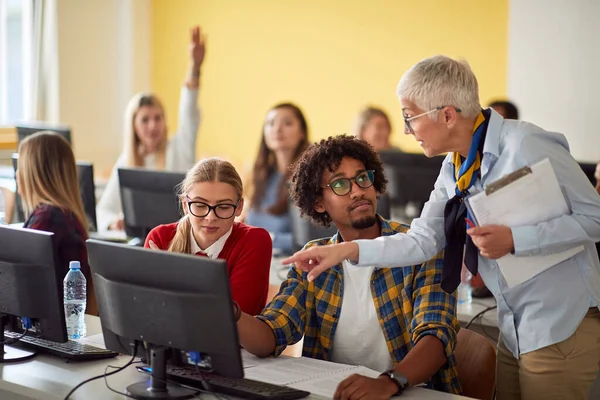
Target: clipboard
{"type": "Point", "coordinates": [506, 180]}
{"type": "Point", "coordinates": [527, 196]}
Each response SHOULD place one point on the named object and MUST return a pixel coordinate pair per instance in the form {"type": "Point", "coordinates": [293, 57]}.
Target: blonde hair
{"type": "Point", "coordinates": [48, 175]}
{"type": "Point", "coordinates": [207, 170]}
{"type": "Point", "coordinates": [365, 117]}
{"type": "Point", "coordinates": [441, 81]}
{"type": "Point", "coordinates": [131, 144]}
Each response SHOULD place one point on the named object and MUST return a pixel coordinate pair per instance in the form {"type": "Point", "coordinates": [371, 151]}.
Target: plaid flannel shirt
{"type": "Point", "coordinates": [409, 301]}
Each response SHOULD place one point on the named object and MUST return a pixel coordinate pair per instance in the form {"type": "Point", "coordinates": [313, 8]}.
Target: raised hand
{"type": "Point", "coordinates": [197, 46]}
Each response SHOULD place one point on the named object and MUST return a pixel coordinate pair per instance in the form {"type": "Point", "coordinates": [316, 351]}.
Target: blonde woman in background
{"type": "Point", "coordinates": [145, 136]}
{"type": "Point", "coordinates": [373, 126]}
{"type": "Point", "coordinates": [211, 197]}
{"type": "Point", "coordinates": [47, 182]}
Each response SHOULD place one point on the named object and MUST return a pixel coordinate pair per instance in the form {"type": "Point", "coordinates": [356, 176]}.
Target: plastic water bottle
{"type": "Point", "coordinates": [464, 289]}
{"type": "Point", "coordinates": [74, 286]}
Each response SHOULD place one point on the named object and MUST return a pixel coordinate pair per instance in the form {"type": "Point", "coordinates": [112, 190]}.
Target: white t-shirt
{"type": "Point", "coordinates": [358, 338]}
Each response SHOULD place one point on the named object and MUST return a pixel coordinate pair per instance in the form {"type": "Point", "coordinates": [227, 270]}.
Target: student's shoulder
{"type": "Point", "coordinates": [241, 231]}
{"type": "Point", "coordinates": [519, 136]}
{"type": "Point", "coordinates": [166, 231]}
{"type": "Point", "coordinates": [390, 227]}
{"type": "Point", "coordinates": [320, 242]}
{"type": "Point", "coordinates": [47, 212]}
{"type": "Point", "coordinates": [48, 218]}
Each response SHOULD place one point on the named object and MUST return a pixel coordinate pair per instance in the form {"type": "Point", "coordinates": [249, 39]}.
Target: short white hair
{"type": "Point", "coordinates": [441, 81]}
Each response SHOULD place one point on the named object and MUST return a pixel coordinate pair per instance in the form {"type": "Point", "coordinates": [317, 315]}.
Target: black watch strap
{"type": "Point", "coordinates": [399, 379]}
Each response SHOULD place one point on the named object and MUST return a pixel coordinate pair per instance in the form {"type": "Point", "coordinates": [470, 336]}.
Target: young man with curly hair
{"type": "Point", "coordinates": [397, 321]}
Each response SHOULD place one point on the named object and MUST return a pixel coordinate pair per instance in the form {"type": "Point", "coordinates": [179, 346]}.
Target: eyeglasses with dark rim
{"type": "Point", "coordinates": [343, 186]}
{"type": "Point", "coordinates": [409, 129]}
{"type": "Point", "coordinates": [201, 209]}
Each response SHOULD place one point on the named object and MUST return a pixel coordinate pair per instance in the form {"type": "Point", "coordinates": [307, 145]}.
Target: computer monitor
{"type": "Point", "coordinates": [173, 302]}
{"type": "Point", "coordinates": [30, 288]}
{"type": "Point", "coordinates": [303, 230]}
{"type": "Point", "coordinates": [29, 128]}
{"type": "Point", "coordinates": [411, 177]}
{"type": "Point", "coordinates": [149, 199]}
{"type": "Point", "coordinates": [87, 189]}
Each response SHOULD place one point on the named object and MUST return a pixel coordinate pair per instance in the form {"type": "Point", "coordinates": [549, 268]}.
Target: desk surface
{"type": "Point", "coordinates": [51, 378]}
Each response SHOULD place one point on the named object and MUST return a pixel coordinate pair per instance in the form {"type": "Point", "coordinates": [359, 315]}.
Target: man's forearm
{"type": "Point", "coordinates": [256, 336]}
{"type": "Point", "coordinates": [423, 360]}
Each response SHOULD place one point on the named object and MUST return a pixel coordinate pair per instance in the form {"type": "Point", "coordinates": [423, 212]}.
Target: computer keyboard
{"type": "Point", "coordinates": [71, 350]}
{"type": "Point", "coordinates": [245, 388]}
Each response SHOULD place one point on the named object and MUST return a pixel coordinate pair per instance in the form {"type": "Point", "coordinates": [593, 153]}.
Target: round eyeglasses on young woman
{"type": "Point", "coordinates": [343, 186]}
{"type": "Point", "coordinates": [201, 209]}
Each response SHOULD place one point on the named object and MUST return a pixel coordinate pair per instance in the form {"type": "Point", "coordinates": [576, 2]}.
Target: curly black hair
{"type": "Point", "coordinates": [307, 171]}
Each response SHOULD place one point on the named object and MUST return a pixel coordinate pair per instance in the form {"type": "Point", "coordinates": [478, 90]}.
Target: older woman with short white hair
{"type": "Point", "coordinates": [549, 347]}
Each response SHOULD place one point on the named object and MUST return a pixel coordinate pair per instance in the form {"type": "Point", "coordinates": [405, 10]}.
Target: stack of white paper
{"type": "Point", "coordinates": [533, 198]}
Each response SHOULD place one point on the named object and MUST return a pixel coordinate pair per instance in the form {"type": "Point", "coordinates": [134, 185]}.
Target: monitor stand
{"type": "Point", "coordinates": [158, 388]}
{"type": "Point", "coordinates": [10, 354]}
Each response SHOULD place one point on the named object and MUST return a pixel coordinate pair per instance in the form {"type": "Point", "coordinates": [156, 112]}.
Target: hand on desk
{"type": "Point", "coordinates": [493, 241]}
{"type": "Point", "coordinates": [365, 388]}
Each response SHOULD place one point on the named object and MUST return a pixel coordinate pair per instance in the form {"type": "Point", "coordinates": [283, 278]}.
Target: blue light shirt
{"type": "Point", "coordinates": [279, 226]}
{"type": "Point", "coordinates": [548, 308]}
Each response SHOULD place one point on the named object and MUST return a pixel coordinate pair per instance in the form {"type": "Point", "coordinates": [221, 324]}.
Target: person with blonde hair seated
{"type": "Point", "coordinates": [211, 197]}
{"type": "Point", "coordinates": [146, 143]}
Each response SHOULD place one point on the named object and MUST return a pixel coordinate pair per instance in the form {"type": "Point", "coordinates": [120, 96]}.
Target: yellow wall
{"type": "Point", "coordinates": [331, 57]}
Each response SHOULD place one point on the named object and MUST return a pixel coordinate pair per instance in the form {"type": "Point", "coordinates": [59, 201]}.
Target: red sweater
{"type": "Point", "coordinates": [248, 255]}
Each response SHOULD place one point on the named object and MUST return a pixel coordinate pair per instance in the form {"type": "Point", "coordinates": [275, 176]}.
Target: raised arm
{"type": "Point", "coordinates": [280, 324]}
{"type": "Point", "coordinates": [197, 51]}
{"type": "Point", "coordinates": [183, 144]}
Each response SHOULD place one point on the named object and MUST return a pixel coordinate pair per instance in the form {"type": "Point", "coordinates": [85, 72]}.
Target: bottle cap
{"type": "Point", "coordinates": [75, 265]}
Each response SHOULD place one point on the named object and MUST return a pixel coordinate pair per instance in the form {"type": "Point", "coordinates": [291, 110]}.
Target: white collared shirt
{"type": "Point", "coordinates": [214, 249]}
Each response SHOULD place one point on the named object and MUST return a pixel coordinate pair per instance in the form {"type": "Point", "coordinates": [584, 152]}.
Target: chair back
{"type": "Point", "coordinates": [476, 364]}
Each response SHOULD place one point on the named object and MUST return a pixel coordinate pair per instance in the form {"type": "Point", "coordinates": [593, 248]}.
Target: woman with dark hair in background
{"type": "Point", "coordinates": [285, 137]}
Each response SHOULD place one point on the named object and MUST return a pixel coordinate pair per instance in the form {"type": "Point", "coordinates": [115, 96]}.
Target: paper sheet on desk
{"type": "Point", "coordinates": [315, 376]}
{"type": "Point", "coordinates": [527, 200]}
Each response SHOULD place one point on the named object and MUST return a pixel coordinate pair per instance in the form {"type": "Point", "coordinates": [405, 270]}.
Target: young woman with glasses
{"type": "Point", "coordinates": [211, 198]}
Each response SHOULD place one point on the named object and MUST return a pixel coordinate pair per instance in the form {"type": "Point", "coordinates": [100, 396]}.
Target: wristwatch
{"type": "Point", "coordinates": [398, 379]}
